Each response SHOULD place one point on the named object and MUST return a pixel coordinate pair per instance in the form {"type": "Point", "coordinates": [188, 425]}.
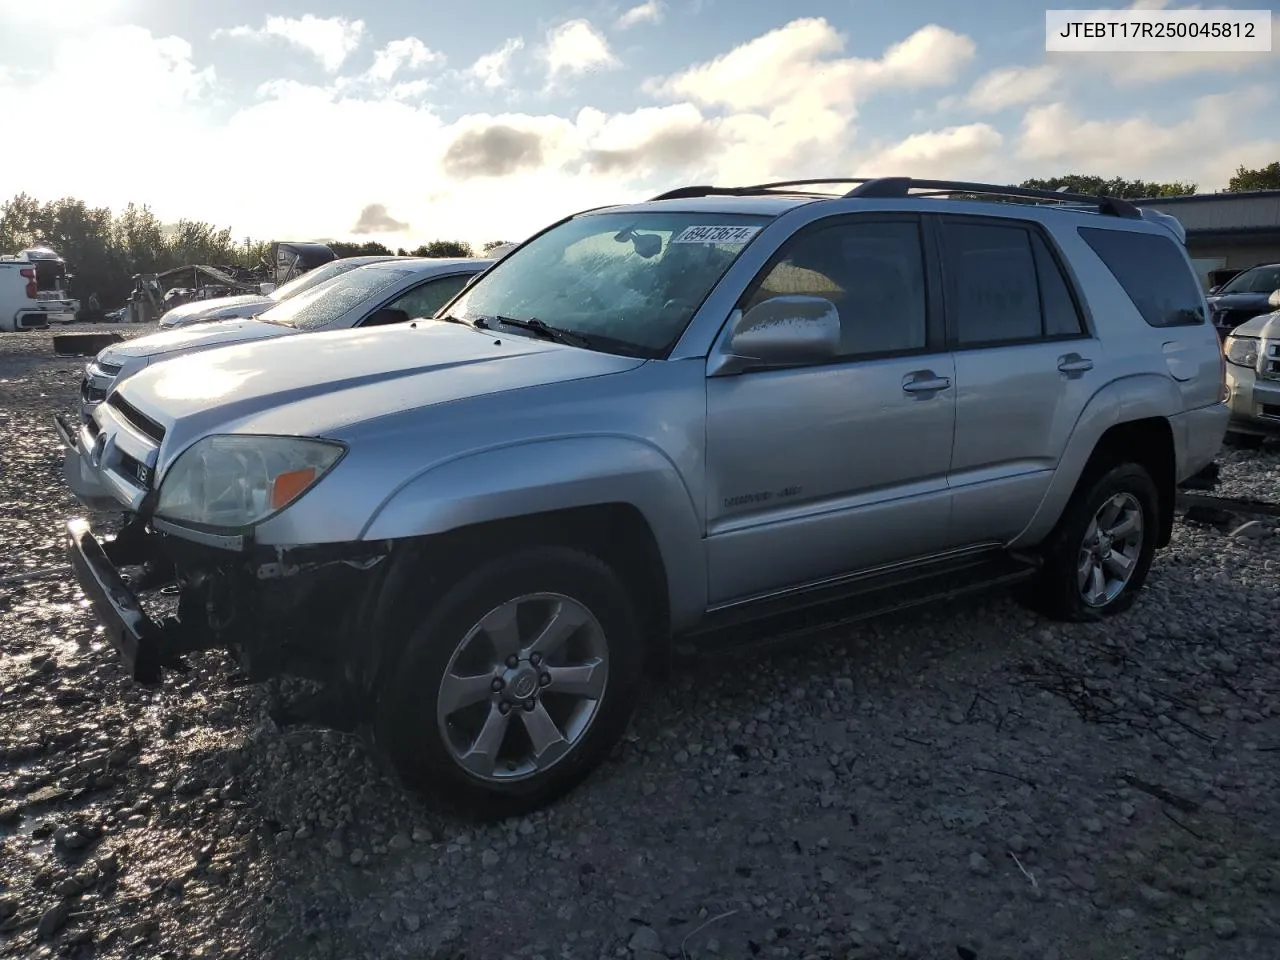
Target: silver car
{"type": "Point", "coordinates": [376, 294]}
{"type": "Point", "coordinates": [1252, 352]}
{"type": "Point", "coordinates": [718, 417]}
{"type": "Point", "coordinates": [248, 305]}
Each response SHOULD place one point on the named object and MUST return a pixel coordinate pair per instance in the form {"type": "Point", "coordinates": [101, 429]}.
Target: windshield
{"type": "Point", "coordinates": [1257, 280]}
{"type": "Point", "coordinates": [628, 282]}
{"type": "Point", "coordinates": [313, 278]}
{"type": "Point", "coordinates": [327, 302]}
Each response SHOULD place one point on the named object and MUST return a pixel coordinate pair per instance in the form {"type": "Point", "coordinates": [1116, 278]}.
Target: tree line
{"type": "Point", "coordinates": [106, 250]}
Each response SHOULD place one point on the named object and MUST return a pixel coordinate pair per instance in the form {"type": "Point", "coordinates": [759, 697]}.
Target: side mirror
{"type": "Point", "coordinates": [1273, 301]}
{"type": "Point", "coordinates": [1215, 288]}
{"type": "Point", "coordinates": [780, 332]}
{"type": "Point", "coordinates": [385, 316]}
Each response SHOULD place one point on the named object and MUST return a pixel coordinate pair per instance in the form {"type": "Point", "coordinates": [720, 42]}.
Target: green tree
{"type": "Point", "coordinates": [1095, 186]}
{"type": "Point", "coordinates": [370, 248]}
{"type": "Point", "coordinates": [444, 248]}
{"type": "Point", "coordinates": [491, 244]}
{"type": "Point", "coordinates": [1264, 178]}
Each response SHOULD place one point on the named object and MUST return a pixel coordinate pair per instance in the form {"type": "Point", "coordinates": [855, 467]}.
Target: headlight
{"type": "Point", "coordinates": [1242, 351]}
{"type": "Point", "coordinates": [237, 481]}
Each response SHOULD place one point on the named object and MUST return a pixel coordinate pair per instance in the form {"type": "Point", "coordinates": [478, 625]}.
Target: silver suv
{"type": "Point", "coordinates": [720, 416]}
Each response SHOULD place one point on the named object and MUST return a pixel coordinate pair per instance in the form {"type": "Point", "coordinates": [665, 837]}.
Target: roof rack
{"type": "Point", "coordinates": [683, 193]}
{"type": "Point", "coordinates": [897, 187]}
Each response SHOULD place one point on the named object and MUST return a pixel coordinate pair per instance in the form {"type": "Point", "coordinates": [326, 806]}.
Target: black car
{"type": "Point", "coordinates": [1246, 295]}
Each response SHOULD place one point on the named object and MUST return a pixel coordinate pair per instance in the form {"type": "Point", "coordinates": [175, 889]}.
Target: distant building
{"type": "Point", "coordinates": [1226, 230]}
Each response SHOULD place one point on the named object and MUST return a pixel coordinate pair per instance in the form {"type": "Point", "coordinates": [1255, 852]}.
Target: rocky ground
{"type": "Point", "coordinates": [971, 782]}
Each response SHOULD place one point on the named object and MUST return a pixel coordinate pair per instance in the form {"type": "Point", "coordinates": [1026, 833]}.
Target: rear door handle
{"type": "Point", "coordinates": [924, 381]}
{"type": "Point", "coordinates": [1074, 363]}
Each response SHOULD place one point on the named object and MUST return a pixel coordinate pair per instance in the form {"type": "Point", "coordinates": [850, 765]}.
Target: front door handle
{"type": "Point", "coordinates": [924, 381]}
{"type": "Point", "coordinates": [1074, 363]}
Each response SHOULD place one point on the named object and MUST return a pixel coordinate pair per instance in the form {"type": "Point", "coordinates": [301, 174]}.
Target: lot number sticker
{"type": "Point", "coordinates": [714, 234]}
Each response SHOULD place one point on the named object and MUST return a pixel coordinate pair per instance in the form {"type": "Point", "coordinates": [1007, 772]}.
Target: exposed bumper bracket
{"type": "Point", "coordinates": [145, 646]}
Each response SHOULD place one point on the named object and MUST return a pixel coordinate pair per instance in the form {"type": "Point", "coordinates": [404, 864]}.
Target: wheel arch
{"type": "Point", "coordinates": [1128, 420]}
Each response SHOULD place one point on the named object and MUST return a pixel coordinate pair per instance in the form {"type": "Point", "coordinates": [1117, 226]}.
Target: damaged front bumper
{"type": "Point", "coordinates": [136, 637]}
{"type": "Point", "coordinates": [82, 477]}
{"type": "Point", "coordinates": [298, 611]}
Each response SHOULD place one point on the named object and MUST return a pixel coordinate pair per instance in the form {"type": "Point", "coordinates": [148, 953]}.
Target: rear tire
{"type": "Point", "coordinates": [515, 685]}
{"type": "Point", "coordinates": [1098, 557]}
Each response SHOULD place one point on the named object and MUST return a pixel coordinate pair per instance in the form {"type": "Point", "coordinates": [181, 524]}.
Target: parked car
{"type": "Point", "coordinates": [668, 425]}
{"type": "Point", "coordinates": [247, 305]}
{"type": "Point", "coordinates": [371, 295]}
{"type": "Point", "coordinates": [1252, 351]}
{"type": "Point", "coordinates": [1248, 294]}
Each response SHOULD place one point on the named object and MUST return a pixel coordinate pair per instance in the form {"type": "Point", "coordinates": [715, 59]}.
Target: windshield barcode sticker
{"type": "Point", "coordinates": [713, 234]}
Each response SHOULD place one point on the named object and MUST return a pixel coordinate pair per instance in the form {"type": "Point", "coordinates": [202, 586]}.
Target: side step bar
{"type": "Point", "coordinates": [755, 625]}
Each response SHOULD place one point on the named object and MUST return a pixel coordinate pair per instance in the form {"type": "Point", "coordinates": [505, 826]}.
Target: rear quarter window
{"type": "Point", "coordinates": [1153, 272]}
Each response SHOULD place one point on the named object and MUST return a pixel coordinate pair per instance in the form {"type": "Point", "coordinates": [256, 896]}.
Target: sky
{"type": "Point", "coordinates": [403, 121]}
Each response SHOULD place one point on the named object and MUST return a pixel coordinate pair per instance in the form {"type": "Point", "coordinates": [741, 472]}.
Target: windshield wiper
{"type": "Point", "coordinates": [543, 330]}
{"type": "Point", "coordinates": [448, 318]}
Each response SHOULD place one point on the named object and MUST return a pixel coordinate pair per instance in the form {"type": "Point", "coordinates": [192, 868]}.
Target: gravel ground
{"type": "Point", "coordinates": [971, 782]}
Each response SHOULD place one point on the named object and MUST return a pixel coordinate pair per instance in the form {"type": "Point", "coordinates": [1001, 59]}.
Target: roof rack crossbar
{"type": "Point", "coordinates": [755, 189]}
{"type": "Point", "coordinates": [896, 187]}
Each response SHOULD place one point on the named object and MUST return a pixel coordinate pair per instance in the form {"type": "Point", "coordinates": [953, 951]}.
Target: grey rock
{"type": "Point", "coordinates": [357, 857]}
{"type": "Point", "coordinates": [53, 919]}
{"type": "Point", "coordinates": [412, 922]}
{"type": "Point", "coordinates": [1224, 928]}
{"type": "Point", "coordinates": [400, 842]}
{"type": "Point", "coordinates": [490, 858]}
{"type": "Point", "coordinates": [979, 864]}
{"type": "Point", "coordinates": [1155, 898]}
{"type": "Point", "coordinates": [645, 938]}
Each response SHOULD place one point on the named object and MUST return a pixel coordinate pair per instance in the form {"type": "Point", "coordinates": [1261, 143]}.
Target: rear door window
{"type": "Point", "coordinates": [1153, 272]}
{"type": "Point", "coordinates": [1004, 286]}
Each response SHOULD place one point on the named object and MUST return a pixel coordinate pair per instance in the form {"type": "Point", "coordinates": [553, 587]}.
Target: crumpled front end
{"type": "Point", "coordinates": [297, 612]}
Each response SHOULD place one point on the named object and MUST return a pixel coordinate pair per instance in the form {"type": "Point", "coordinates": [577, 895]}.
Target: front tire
{"type": "Point", "coordinates": [1099, 555]}
{"type": "Point", "coordinates": [516, 685]}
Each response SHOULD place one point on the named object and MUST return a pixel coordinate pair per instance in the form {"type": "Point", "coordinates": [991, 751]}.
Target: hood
{"type": "Point", "coordinates": [221, 306]}
{"type": "Point", "coordinates": [1238, 301]}
{"type": "Point", "coordinates": [195, 337]}
{"type": "Point", "coordinates": [317, 384]}
{"type": "Point", "coordinates": [1266, 326]}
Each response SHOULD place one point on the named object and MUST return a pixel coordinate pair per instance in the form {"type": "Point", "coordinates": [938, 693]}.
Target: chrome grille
{"type": "Point", "coordinates": [1270, 367]}
{"type": "Point", "coordinates": [137, 419]}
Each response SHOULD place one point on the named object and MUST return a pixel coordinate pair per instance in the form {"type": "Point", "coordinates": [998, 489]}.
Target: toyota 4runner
{"type": "Point", "coordinates": [721, 416]}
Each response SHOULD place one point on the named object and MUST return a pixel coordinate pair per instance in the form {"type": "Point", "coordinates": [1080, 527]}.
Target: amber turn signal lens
{"type": "Point", "coordinates": [288, 486]}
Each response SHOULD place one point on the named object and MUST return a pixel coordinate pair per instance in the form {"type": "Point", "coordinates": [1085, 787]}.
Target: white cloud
{"type": "Point", "coordinates": [329, 39]}
{"type": "Point", "coordinates": [795, 62]}
{"type": "Point", "coordinates": [1012, 86]}
{"type": "Point", "coordinates": [783, 105]}
{"type": "Point", "coordinates": [493, 69]}
{"type": "Point", "coordinates": [407, 54]}
{"type": "Point", "coordinates": [969, 152]}
{"type": "Point", "coordinates": [576, 47]}
{"type": "Point", "coordinates": [649, 12]}
{"type": "Point", "coordinates": [1204, 146]}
